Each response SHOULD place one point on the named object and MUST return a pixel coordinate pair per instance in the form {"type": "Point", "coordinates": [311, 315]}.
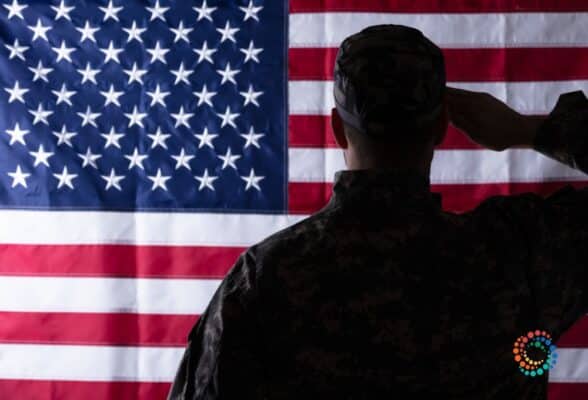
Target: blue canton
{"type": "Point", "coordinates": [128, 105]}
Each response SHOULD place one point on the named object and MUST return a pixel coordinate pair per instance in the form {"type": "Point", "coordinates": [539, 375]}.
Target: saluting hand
{"type": "Point", "coordinates": [488, 121]}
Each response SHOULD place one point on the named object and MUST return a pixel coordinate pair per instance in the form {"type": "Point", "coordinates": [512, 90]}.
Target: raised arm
{"type": "Point", "coordinates": [554, 229]}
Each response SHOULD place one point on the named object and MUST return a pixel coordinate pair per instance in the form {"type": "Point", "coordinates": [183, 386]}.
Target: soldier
{"type": "Point", "coordinates": [382, 294]}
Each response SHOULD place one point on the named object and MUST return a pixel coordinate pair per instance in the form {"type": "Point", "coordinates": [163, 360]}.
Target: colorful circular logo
{"type": "Point", "coordinates": [534, 353]}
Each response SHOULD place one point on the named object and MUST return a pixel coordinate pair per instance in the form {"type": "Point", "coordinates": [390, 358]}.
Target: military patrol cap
{"type": "Point", "coordinates": [389, 75]}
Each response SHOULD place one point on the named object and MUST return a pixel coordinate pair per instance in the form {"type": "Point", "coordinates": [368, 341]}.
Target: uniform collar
{"type": "Point", "coordinates": [384, 187]}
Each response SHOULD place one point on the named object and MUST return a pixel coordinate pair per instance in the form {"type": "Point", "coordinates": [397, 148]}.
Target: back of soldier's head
{"type": "Point", "coordinates": [389, 82]}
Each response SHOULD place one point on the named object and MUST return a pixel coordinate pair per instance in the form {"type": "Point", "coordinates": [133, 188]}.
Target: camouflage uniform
{"type": "Point", "coordinates": [383, 295]}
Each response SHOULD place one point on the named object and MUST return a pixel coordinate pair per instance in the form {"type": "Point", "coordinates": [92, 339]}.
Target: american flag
{"type": "Point", "coordinates": [145, 144]}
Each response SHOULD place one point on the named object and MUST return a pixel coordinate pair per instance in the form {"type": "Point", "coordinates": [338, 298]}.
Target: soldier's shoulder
{"type": "Point", "coordinates": [296, 239]}
{"type": "Point", "coordinates": [525, 202]}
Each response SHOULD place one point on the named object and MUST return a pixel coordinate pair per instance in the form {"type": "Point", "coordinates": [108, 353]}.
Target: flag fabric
{"type": "Point", "coordinates": [145, 144]}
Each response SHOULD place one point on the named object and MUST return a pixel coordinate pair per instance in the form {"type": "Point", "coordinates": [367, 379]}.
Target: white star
{"type": "Point", "coordinates": [17, 134]}
{"type": "Point", "coordinates": [40, 31]}
{"type": "Point", "coordinates": [111, 96]}
{"type": "Point", "coordinates": [113, 180]}
{"type": "Point", "coordinates": [206, 180]}
{"type": "Point", "coordinates": [89, 74]}
{"type": "Point", "coordinates": [64, 137]}
{"type": "Point", "coordinates": [135, 74]}
{"type": "Point", "coordinates": [89, 118]}
{"type": "Point", "coordinates": [63, 95]}
{"type": "Point", "coordinates": [159, 180]}
{"type": "Point", "coordinates": [252, 180]}
{"type": "Point", "coordinates": [112, 138]}
{"type": "Point", "coordinates": [204, 96]}
{"type": "Point", "coordinates": [158, 97]}
{"type": "Point", "coordinates": [252, 138]}
{"type": "Point", "coordinates": [204, 11]}
{"type": "Point", "coordinates": [65, 178]}
{"type": "Point", "coordinates": [181, 33]}
{"type": "Point", "coordinates": [111, 53]}
{"type": "Point", "coordinates": [62, 11]}
{"type": "Point", "coordinates": [251, 11]}
{"type": "Point", "coordinates": [134, 33]}
{"type": "Point", "coordinates": [228, 118]}
{"type": "Point", "coordinates": [250, 96]}
{"type": "Point", "coordinates": [158, 53]}
{"type": "Point", "coordinates": [16, 93]}
{"type": "Point", "coordinates": [15, 9]}
{"type": "Point", "coordinates": [40, 115]}
{"type": "Point", "coordinates": [19, 177]}
{"type": "Point", "coordinates": [63, 53]}
{"type": "Point", "coordinates": [229, 159]}
{"type": "Point", "coordinates": [205, 53]}
{"type": "Point", "coordinates": [40, 72]}
{"type": "Point", "coordinates": [182, 118]}
{"type": "Point", "coordinates": [182, 160]}
{"type": "Point", "coordinates": [111, 11]}
{"type": "Point", "coordinates": [136, 159]}
{"type": "Point", "coordinates": [16, 50]}
{"type": "Point", "coordinates": [228, 74]}
{"type": "Point", "coordinates": [182, 74]}
{"type": "Point", "coordinates": [157, 11]}
{"type": "Point", "coordinates": [159, 139]}
{"type": "Point", "coordinates": [41, 156]}
{"type": "Point", "coordinates": [206, 139]}
{"type": "Point", "coordinates": [228, 33]}
{"type": "Point", "coordinates": [88, 32]}
{"type": "Point", "coordinates": [89, 158]}
{"type": "Point", "coordinates": [251, 52]}
{"type": "Point", "coordinates": [136, 118]}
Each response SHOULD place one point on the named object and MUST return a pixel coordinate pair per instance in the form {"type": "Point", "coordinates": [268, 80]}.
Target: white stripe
{"type": "Point", "coordinates": [316, 97]}
{"type": "Point", "coordinates": [89, 363]}
{"type": "Point", "coordinates": [106, 295]}
{"type": "Point", "coordinates": [571, 366]}
{"type": "Point", "coordinates": [159, 364]}
{"type": "Point", "coordinates": [448, 30]}
{"type": "Point", "coordinates": [242, 230]}
{"type": "Point", "coordinates": [448, 167]}
{"type": "Point", "coordinates": [181, 229]}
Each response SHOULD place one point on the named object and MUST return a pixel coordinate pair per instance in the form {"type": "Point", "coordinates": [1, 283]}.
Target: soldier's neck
{"type": "Point", "coordinates": [420, 163]}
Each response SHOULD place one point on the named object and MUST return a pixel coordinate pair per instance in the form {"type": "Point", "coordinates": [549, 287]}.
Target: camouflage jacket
{"type": "Point", "coordinates": [383, 295]}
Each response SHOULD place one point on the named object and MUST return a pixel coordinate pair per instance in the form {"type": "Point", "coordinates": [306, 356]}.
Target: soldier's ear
{"type": "Point", "coordinates": [338, 129]}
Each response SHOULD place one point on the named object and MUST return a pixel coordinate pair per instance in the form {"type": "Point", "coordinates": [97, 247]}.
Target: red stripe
{"type": "Point", "coordinates": [117, 261]}
{"type": "Point", "coordinates": [468, 65]}
{"type": "Point", "coordinates": [95, 329]}
{"type": "Point", "coordinates": [310, 131]}
{"type": "Point", "coordinates": [140, 329]}
{"type": "Point", "coordinates": [70, 390]}
{"type": "Point", "coordinates": [437, 6]}
{"type": "Point", "coordinates": [567, 391]}
{"type": "Point", "coordinates": [575, 336]}
{"type": "Point", "coordinates": [306, 198]}
{"type": "Point", "coordinates": [315, 131]}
